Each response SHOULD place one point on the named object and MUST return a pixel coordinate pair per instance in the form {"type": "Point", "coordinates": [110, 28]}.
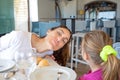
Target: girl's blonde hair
{"type": "Point", "coordinates": [93, 43]}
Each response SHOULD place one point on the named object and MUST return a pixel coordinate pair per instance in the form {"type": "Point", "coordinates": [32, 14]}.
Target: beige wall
{"type": "Point", "coordinates": [68, 8]}
{"type": "Point", "coordinates": [46, 9]}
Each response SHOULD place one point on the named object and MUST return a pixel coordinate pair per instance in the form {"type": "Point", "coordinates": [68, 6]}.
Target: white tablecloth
{"type": "Point", "coordinates": [23, 75]}
{"type": "Point", "coordinates": [20, 75]}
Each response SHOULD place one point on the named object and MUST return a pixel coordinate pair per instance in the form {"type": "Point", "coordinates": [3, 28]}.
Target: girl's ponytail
{"type": "Point", "coordinates": [111, 68]}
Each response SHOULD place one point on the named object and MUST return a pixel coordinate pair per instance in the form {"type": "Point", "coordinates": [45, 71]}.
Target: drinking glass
{"type": "Point", "coordinates": [25, 61]}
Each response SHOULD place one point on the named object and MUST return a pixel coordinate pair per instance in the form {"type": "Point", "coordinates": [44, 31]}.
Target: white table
{"type": "Point", "coordinates": [75, 47]}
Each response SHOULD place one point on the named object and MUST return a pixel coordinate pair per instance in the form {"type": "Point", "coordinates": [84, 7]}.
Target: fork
{"type": "Point", "coordinates": [10, 73]}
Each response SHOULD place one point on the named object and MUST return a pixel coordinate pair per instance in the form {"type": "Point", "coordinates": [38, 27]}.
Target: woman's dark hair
{"type": "Point", "coordinates": [62, 55]}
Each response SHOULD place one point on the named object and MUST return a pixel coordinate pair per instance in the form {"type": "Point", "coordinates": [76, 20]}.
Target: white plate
{"type": "Point", "coordinates": [6, 64]}
{"type": "Point", "coordinates": [51, 73]}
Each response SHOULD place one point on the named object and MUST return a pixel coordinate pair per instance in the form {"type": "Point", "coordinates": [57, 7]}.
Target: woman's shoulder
{"type": "Point", "coordinates": [25, 33]}
{"type": "Point", "coordinates": [34, 35]}
{"type": "Point", "coordinates": [34, 38]}
{"type": "Point", "coordinates": [19, 32]}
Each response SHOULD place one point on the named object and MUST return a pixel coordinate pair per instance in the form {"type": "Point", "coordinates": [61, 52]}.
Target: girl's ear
{"type": "Point", "coordinates": [85, 56]}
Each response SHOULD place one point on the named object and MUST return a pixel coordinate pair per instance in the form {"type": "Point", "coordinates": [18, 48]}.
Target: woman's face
{"type": "Point", "coordinates": [57, 38]}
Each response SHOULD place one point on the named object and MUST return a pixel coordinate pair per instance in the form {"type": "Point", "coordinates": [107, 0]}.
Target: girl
{"type": "Point", "coordinates": [97, 51]}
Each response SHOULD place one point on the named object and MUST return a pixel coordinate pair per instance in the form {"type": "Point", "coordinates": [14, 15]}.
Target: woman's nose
{"type": "Point", "coordinates": [59, 39]}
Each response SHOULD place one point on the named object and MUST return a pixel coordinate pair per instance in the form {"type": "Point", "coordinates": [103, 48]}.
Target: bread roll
{"type": "Point", "coordinates": [38, 60]}
{"type": "Point", "coordinates": [43, 62]}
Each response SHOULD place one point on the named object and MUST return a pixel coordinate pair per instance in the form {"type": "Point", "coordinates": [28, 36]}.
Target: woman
{"type": "Point", "coordinates": [55, 39]}
{"type": "Point", "coordinates": [97, 51]}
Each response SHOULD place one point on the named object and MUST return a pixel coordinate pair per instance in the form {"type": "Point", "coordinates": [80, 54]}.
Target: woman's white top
{"type": "Point", "coordinates": [16, 41]}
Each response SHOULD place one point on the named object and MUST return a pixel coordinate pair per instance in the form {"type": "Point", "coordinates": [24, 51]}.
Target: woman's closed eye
{"type": "Point", "coordinates": [59, 33]}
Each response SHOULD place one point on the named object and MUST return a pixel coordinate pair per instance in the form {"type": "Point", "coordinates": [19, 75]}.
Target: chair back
{"type": "Point", "coordinates": [116, 46]}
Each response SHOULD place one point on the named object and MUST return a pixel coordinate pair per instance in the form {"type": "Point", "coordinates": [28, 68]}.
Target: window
{"type": "Point", "coordinates": [100, 9]}
{"type": "Point", "coordinates": [33, 6]}
{"type": "Point", "coordinates": [107, 15]}
{"type": "Point", "coordinates": [21, 14]}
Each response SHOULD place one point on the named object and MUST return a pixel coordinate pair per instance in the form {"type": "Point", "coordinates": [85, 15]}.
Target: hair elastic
{"type": "Point", "coordinates": [107, 50]}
